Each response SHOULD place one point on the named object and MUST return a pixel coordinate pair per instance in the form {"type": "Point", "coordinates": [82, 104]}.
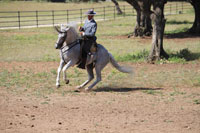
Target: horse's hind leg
{"type": "Point", "coordinates": [90, 76]}
{"type": "Point", "coordinates": [62, 63]}
{"type": "Point", "coordinates": [98, 78]}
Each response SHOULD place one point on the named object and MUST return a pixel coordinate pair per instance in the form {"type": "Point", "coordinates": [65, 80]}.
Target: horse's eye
{"type": "Point", "coordinates": [63, 34]}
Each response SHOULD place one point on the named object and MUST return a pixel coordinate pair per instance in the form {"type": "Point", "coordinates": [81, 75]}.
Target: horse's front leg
{"type": "Point", "coordinates": [69, 64]}
{"type": "Point", "coordinates": [62, 63]}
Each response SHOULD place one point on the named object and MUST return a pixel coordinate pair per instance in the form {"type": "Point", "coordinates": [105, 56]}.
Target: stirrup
{"type": "Point", "coordinates": [91, 57]}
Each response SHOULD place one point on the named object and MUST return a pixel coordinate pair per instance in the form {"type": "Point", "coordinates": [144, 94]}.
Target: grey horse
{"type": "Point", "coordinates": [70, 50]}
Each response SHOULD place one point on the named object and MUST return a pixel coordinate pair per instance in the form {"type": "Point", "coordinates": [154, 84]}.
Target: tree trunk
{"type": "Point", "coordinates": [157, 51]}
{"type": "Point", "coordinates": [196, 25]}
{"type": "Point", "coordinates": [143, 22]}
{"type": "Point", "coordinates": [119, 11]}
{"type": "Point", "coordinates": [148, 25]}
{"type": "Point", "coordinates": [137, 29]}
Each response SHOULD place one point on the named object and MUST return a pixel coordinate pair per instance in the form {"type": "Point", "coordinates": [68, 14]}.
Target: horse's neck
{"type": "Point", "coordinates": [72, 36]}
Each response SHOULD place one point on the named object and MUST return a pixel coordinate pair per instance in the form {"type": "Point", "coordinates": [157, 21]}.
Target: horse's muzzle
{"type": "Point", "coordinates": [56, 46]}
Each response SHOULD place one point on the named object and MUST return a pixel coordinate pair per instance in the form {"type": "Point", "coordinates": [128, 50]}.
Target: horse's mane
{"type": "Point", "coordinates": [73, 27]}
{"type": "Point", "coordinates": [73, 33]}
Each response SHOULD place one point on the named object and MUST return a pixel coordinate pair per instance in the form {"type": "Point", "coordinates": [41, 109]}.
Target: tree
{"type": "Point", "coordinates": [119, 11]}
{"type": "Point", "coordinates": [196, 25]}
{"type": "Point", "coordinates": [144, 18]}
{"type": "Point", "coordinates": [143, 23]}
{"type": "Point", "coordinates": [157, 50]}
{"type": "Point", "coordinates": [195, 29]}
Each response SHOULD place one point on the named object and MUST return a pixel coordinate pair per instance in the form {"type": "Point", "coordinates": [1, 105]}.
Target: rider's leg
{"type": "Point", "coordinates": [91, 57]}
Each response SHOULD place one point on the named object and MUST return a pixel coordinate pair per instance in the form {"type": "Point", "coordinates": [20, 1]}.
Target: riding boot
{"type": "Point", "coordinates": [83, 55]}
{"type": "Point", "coordinates": [91, 56]}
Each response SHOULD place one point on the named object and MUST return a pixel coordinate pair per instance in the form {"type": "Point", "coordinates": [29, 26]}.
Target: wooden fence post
{"type": "Point", "coordinates": [36, 18]}
{"type": "Point", "coordinates": [124, 10]}
{"type": "Point", "coordinates": [104, 13]}
{"type": "Point", "coordinates": [19, 19]}
{"type": "Point", "coordinates": [53, 17]}
{"type": "Point", "coordinates": [81, 15]}
{"type": "Point", "coordinates": [114, 12]}
{"type": "Point", "coordinates": [182, 7]}
{"type": "Point", "coordinates": [19, 15]}
{"type": "Point", "coordinates": [170, 9]}
{"type": "Point", "coordinates": [67, 16]}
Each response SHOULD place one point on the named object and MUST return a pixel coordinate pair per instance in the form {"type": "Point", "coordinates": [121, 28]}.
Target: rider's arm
{"type": "Point", "coordinates": [91, 31]}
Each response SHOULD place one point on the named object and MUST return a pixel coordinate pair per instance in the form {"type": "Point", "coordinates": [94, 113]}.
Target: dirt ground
{"type": "Point", "coordinates": [126, 109]}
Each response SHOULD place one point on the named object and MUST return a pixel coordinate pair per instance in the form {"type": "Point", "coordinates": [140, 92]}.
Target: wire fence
{"type": "Point", "coordinates": [25, 19]}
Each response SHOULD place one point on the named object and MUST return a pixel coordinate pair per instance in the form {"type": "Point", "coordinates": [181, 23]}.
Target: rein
{"type": "Point", "coordinates": [68, 47]}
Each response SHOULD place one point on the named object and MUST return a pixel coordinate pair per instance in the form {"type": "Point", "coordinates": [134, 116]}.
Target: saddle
{"type": "Point", "coordinates": [88, 46]}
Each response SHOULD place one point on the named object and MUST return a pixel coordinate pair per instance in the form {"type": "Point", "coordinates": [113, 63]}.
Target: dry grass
{"type": "Point", "coordinates": [37, 44]}
{"type": "Point", "coordinates": [33, 6]}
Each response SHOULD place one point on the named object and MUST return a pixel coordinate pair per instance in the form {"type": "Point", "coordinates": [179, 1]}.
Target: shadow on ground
{"type": "Point", "coordinates": [180, 33]}
{"type": "Point", "coordinates": [185, 34]}
{"type": "Point", "coordinates": [185, 54]}
{"type": "Point", "coordinates": [172, 22]}
{"type": "Point", "coordinates": [116, 89]}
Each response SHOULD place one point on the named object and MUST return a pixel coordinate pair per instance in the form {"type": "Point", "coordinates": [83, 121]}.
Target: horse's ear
{"type": "Point", "coordinates": [56, 28]}
{"type": "Point", "coordinates": [66, 29]}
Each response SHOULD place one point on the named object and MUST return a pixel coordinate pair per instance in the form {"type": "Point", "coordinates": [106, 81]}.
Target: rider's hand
{"type": "Point", "coordinates": [82, 33]}
{"type": "Point", "coordinates": [80, 28]}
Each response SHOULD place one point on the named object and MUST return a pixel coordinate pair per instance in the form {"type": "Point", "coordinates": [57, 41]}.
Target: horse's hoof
{"type": "Point", "coordinates": [87, 89]}
{"type": "Point", "coordinates": [78, 87]}
{"type": "Point", "coordinates": [57, 86]}
{"type": "Point", "coordinates": [67, 82]}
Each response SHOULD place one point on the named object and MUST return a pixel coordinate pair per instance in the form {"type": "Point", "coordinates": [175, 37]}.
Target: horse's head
{"type": "Point", "coordinates": [62, 36]}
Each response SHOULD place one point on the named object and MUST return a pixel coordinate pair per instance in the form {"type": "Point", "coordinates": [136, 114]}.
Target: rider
{"type": "Point", "coordinates": [88, 33]}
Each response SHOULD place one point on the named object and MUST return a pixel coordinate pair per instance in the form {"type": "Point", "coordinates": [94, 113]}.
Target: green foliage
{"type": "Point", "coordinates": [50, 58]}
{"type": "Point", "coordinates": [185, 53]}
{"type": "Point", "coordinates": [177, 92]}
{"type": "Point", "coordinates": [54, 72]}
{"type": "Point", "coordinates": [196, 81]}
{"type": "Point", "coordinates": [196, 101]}
{"type": "Point", "coordinates": [140, 56]}
{"type": "Point", "coordinates": [176, 60]}
{"type": "Point", "coordinates": [152, 92]}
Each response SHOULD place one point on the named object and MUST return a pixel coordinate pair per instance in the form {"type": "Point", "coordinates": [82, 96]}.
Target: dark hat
{"type": "Point", "coordinates": [90, 12]}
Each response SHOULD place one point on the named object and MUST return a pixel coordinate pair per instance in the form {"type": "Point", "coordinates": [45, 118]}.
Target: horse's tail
{"type": "Point", "coordinates": [118, 67]}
